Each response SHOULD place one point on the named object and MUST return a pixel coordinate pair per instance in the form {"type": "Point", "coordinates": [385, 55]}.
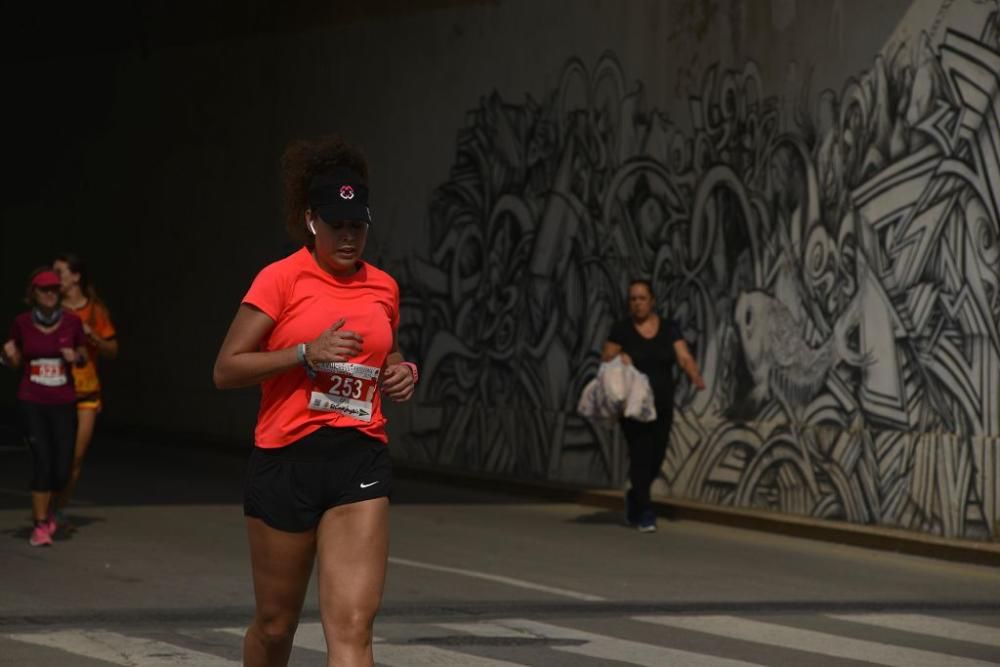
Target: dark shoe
{"type": "Point", "coordinates": [647, 523]}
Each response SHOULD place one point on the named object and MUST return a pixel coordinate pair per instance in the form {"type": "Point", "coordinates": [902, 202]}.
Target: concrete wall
{"type": "Point", "coordinates": [812, 186]}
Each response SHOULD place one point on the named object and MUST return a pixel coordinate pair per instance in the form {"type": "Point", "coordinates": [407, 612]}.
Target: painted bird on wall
{"type": "Point", "coordinates": [782, 363]}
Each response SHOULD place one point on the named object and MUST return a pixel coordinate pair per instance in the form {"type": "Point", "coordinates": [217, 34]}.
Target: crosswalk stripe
{"type": "Point", "coordinates": [812, 641]}
{"type": "Point", "coordinates": [122, 649]}
{"type": "Point", "coordinates": [310, 636]}
{"type": "Point", "coordinates": [929, 625]}
{"type": "Point", "coordinates": [594, 645]}
{"type": "Point", "coordinates": [392, 655]}
{"type": "Point", "coordinates": [509, 581]}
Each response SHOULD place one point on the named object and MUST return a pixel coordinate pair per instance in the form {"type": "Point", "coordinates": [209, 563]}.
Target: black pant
{"type": "Point", "coordinates": [51, 432]}
{"type": "Point", "coordinates": [647, 445]}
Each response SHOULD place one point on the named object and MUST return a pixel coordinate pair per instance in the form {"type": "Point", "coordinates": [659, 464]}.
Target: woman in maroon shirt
{"type": "Point", "coordinates": [44, 342]}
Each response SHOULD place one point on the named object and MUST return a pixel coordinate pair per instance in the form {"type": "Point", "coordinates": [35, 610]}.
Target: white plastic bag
{"type": "Point", "coordinates": [619, 389]}
{"type": "Point", "coordinates": [616, 381]}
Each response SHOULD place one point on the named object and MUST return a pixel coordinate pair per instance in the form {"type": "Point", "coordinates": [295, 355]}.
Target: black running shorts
{"type": "Point", "coordinates": [290, 487]}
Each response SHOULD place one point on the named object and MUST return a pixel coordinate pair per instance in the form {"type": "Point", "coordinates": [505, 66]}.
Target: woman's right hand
{"type": "Point", "coordinates": [334, 345]}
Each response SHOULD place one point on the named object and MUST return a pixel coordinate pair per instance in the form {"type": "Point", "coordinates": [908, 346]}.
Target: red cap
{"type": "Point", "coordinates": [46, 279]}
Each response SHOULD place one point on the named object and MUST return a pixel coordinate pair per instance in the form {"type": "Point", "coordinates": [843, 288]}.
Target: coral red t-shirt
{"type": "Point", "coordinates": [303, 300]}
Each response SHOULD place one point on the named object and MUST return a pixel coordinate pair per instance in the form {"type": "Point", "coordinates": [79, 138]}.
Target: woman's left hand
{"type": "Point", "coordinates": [397, 383]}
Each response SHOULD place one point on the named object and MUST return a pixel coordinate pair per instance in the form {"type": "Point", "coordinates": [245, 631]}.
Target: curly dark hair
{"type": "Point", "coordinates": [302, 161]}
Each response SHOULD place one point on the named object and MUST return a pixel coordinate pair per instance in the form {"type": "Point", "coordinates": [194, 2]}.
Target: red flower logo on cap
{"type": "Point", "coordinates": [346, 192]}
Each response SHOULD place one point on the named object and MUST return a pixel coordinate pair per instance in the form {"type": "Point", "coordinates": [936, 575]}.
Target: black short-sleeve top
{"type": "Point", "coordinates": [655, 357]}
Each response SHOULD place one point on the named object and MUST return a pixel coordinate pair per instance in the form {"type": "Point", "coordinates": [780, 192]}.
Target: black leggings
{"type": "Point", "coordinates": [51, 431]}
{"type": "Point", "coordinates": [647, 445]}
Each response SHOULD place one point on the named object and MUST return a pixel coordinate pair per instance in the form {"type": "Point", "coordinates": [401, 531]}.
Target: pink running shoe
{"type": "Point", "coordinates": [51, 525]}
{"type": "Point", "coordinates": [40, 536]}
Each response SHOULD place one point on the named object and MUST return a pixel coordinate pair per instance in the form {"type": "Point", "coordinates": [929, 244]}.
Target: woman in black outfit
{"type": "Point", "coordinates": [653, 345]}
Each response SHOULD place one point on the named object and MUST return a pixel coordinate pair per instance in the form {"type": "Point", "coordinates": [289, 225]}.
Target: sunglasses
{"type": "Point", "coordinates": [49, 289]}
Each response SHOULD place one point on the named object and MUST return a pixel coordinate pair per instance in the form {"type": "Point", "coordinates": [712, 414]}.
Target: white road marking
{"type": "Point", "coordinates": [122, 649]}
{"type": "Point", "coordinates": [596, 646]}
{"type": "Point", "coordinates": [310, 636]}
{"type": "Point", "coordinates": [510, 581]}
{"type": "Point", "coordinates": [929, 625]}
{"type": "Point", "coordinates": [812, 641]}
{"type": "Point", "coordinates": [394, 655]}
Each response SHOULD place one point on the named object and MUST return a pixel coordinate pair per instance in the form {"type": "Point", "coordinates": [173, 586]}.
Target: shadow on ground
{"type": "Point", "coordinates": [600, 517]}
{"type": "Point", "coordinates": [120, 471]}
{"type": "Point", "coordinates": [74, 521]}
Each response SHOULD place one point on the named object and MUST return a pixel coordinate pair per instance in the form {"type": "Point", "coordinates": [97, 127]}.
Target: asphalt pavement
{"type": "Point", "coordinates": [156, 573]}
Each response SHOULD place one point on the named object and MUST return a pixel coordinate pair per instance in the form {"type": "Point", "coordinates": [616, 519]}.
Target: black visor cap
{"type": "Point", "coordinates": [339, 194]}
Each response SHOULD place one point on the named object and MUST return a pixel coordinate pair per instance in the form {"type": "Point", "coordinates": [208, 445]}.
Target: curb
{"type": "Point", "coordinates": [827, 530]}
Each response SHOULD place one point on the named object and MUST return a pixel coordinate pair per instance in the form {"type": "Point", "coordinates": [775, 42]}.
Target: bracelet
{"type": "Point", "coordinates": [413, 369]}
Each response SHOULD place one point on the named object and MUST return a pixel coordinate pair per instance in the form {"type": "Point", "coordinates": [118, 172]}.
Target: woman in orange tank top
{"type": "Point", "coordinates": [80, 298]}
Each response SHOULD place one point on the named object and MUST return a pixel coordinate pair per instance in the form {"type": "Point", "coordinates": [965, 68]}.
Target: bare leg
{"type": "Point", "coordinates": [353, 545]}
{"type": "Point", "coordinates": [40, 504]}
{"type": "Point", "coordinates": [282, 564]}
{"type": "Point", "coordinates": [86, 419]}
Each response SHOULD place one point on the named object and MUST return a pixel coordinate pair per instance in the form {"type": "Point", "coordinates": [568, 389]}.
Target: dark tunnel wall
{"type": "Point", "coordinates": [146, 138]}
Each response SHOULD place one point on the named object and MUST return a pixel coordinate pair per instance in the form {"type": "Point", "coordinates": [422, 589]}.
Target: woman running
{"type": "Point", "coordinates": [80, 298]}
{"type": "Point", "coordinates": [317, 332]}
{"type": "Point", "coordinates": [46, 343]}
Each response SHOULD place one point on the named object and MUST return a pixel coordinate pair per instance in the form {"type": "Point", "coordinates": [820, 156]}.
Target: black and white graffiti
{"type": "Point", "coordinates": [834, 261]}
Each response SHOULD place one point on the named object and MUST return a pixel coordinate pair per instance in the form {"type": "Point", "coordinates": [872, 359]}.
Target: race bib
{"type": "Point", "coordinates": [48, 372]}
{"type": "Point", "coordinates": [345, 388]}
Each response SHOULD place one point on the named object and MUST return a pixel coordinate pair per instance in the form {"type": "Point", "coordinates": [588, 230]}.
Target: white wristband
{"type": "Point", "coordinates": [300, 353]}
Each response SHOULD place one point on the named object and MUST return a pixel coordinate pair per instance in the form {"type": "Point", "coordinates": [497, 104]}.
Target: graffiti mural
{"type": "Point", "coordinates": [834, 261]}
